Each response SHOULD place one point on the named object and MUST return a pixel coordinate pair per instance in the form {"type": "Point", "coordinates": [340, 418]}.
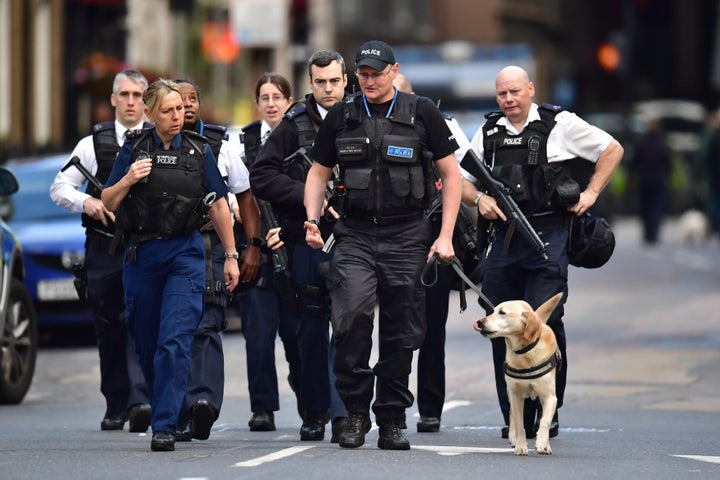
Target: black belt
{"type": "Point", "coordinates": [387, 219]}
{"type": "Point", "coordinates": [550, 220]}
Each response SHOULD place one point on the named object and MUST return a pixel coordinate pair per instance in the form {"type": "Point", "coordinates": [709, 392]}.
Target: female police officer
{"type": "Point", "coordinates": [161, 185]}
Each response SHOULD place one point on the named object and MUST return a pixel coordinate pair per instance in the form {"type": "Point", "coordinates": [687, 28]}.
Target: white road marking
{"type": "Point", "coordinates": [450, 450]}
{"type": "Point", "coordinates": [287, 452]}
{"type": "Point", "coordinates": [449, 405]}
{"type": "Point", "coordinates": [701, 458]}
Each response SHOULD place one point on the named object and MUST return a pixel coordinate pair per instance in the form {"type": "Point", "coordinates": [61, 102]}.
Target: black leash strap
{"type": "Point", "coordinates": [457, 266]}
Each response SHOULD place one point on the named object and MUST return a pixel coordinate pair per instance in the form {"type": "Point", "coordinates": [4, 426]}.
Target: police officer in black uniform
{"type": "Point", "coordinates": [206, 382]}
{"type": "Point", "coordinates": [278, 176]}
{"type": "Point", "coordinates": [531, 148]}
{"type": "Point", "coordinates": [379, 139]}
{"type": "Point", "coordinates": [121, 379]}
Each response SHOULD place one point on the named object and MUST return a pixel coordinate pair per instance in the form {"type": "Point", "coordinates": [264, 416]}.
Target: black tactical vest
{"type": "Point", "coordinates": [106, 149]}
{"type": "Point", "coordinates": [381, 159]}
{"type": "Point", "coordinates": [520, 161]}
{"type": "Point", "coordinates": [171, 201]}
{"type": "Point", "coordinates": [307, 132]}
{"type": "Point", "coordinates": [250, 138]}
{"type": "Point", "coordinates": [215, 134]}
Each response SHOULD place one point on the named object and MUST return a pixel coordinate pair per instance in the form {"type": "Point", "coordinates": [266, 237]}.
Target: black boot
{"type": "Point", "coordinates": [356, 426]}
{"type": "Point", "coordinates": [391, 436]}
{"type": "Point", "coordinates": [313, 427]}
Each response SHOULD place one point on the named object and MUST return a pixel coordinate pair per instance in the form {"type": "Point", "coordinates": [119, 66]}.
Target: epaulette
{"type": "Point", "coordinates": [102, 126]}
{"type": "Point", "coordinates": [222, 130]}
{"type": "Point", "coordinates": [493, 115]}
{"type": "Point", "coordinates": [551, 107]}
{"type": "Point", "coordinates": [193, 134]}
{"type": "Point", "coordinates": [130, 134]}
{"type": "Point", "coordinates": [295, 110]}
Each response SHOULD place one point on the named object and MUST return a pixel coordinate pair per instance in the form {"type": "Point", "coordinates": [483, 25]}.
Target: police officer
{"type": "Point", "coordinates": [121, 380]}
{"type": "Point", "coordinates": [206, 382]}
{"type": "Point", "coordinates": [264, 316]}
{"type": "Point", "coordinates": [379, 138]}
{"type": "Point", "coordinates": [530, 148]}
{"type": "Point", "coordinates": [431, 355]}
{"type": "Point", "coordinates": [278, 176]}
{"type": "Point", "coordinates": [162, 185]}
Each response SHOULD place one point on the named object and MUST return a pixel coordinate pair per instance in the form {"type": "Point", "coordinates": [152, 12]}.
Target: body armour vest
{"type": "Point", "coordinates": [381, 159]}
{"type": "Point", "coordinates": [307, 128]}
{"type": "Point", "coordinates": [215, 134]}
{"type": "Point", "coordinates": [250, 138]}
{"type": "Point", "coordinates": [171, 201]}
{"type": "Point", "coordinates": [106, 149]}
{"type": "Point", "coordinates": [520, 161]}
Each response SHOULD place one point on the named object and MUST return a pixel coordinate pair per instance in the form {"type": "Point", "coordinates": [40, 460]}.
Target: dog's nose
{"type": "Point", "coordinates": [479, 324]}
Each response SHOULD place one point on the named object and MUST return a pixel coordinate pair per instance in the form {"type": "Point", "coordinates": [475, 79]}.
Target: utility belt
{"type": "Point", "coordinates": [548, 220]}
{"type": "Point", "coordinates": [97, 240]}
{"type": "Point", "coordinates": [387, 219]}
{"type": "Point", "coordinates": [135, 238]}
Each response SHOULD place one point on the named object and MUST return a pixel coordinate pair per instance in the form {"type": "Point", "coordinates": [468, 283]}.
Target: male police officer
{"type": "Point", "coordinates": [530, 148]}
{"type": "Point", "coordinates": [121, 379]}
{"type": "Point", "coordinates": [382, 140]}
{"type": "Point", "coordinates": [206, 381]}
{"type": "Point", "coordinates": [278, 176]}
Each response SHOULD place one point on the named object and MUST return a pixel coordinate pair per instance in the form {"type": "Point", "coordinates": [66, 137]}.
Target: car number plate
{"type": "Point", "coordinates": [53, 290]}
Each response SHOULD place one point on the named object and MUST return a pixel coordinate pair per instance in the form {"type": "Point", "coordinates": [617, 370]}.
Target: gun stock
{"type": "Point", "coordinates": [515, 218]}
{"type": "Point", "coordinates": [75, 162]}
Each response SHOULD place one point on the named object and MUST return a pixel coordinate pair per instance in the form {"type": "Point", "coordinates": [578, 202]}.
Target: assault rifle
{"type": "Point", "coordinates": [281, 270]}
{"type": "Point", "coordinates": [515, 218]}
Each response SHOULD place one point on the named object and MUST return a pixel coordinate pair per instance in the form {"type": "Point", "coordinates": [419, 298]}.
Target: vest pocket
{"type": "Point", "coordinates": [354, 149]}
{"type": "Point", "coordinates": [404, 169]}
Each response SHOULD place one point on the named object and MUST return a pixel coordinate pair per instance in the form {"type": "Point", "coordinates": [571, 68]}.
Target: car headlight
{"type": "Point", "coordinates": [71, 257]}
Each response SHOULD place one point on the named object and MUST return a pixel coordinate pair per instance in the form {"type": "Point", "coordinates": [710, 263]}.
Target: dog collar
{"type": "Point", "coordinates": [528, 348]}
{"type": "Point", "coordinates": [535, 372]}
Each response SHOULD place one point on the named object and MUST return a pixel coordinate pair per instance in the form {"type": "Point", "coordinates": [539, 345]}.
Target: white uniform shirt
{"type": "Point", "coordinates": [64, 190]}
{"type": "Point", "coordinates": [571, 137]}
{"type": "Point", "coordinates": [460, 138]}
{"type": "Point", "coordinates": [231, 165]}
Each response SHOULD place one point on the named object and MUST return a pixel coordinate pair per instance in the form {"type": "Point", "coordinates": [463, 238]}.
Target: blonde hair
{"type": "Point", "coordinates": [157, 91]}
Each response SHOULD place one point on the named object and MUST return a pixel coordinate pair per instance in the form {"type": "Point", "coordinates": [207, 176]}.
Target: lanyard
{"type": "Point", "coordinates": [392, 105]}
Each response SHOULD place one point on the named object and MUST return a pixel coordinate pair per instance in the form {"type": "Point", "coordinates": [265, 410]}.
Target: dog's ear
{"type": "Point", "coordinates": [546, 309]}
{"type": "Point", "coordinates": [533, 325]}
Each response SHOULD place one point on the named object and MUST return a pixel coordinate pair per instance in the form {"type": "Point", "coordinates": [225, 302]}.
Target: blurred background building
{"type": "Point", "coordinates": [58, 57]}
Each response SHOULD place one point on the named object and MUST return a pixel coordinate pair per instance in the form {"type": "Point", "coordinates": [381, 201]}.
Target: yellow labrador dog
{"type": "Point", "coordinates": [530, 366]}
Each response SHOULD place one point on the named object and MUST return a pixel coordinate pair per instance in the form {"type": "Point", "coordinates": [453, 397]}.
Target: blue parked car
{"type": "Point", "coordinates": [18, 323]}
{"type": "Point", "coordinates": [53, 241]}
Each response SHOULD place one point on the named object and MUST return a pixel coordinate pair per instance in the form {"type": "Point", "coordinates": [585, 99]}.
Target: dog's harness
{"type": "Point", "coordinates": [537, 371]}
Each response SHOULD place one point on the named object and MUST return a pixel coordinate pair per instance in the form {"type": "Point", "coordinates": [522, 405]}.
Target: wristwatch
{"type": "Point", "coordinates": [477, 198]}
{"type": "Point", "coordinates": [312, 221]}
{"type": "Point", "coordinates": [254, 242]}
{"type": "Point", "coordinates": [232, 255]}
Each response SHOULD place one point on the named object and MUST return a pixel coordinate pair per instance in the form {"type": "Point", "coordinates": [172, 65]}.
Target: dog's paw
{"type": "Point", "coordinates": [521, 451]}
{"type": "Point", "coordinates": [543, 447]}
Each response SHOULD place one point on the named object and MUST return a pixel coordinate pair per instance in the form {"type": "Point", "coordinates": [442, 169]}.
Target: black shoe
{"type": "Point", "coordinates": [162, 442]}
{"type": "Point", "coordinates": [428, 424]}
{"type": "Point", "coordinates": [338, 425]}
{"type": "Point", "coordinates": [313, 427]}
{"type": "Point", "coordinates": [139, 416]}
{"type": "Point", "coordinates": [113, 420]}
{"type": "Point", "coordinates": [203, 416]}
{"type": "Point", "coordinates": [356, 426]}
{"type": "Point", "coordinates": [262, 422]}
{"type": "Point", "coordinates": [505, 431]}
{"type": "Point", "coordinates": [391, 436]}
{"type": "Point", "coordinates": [184, 431]}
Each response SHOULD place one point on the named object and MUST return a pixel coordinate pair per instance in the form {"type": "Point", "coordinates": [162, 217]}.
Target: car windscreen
{"type": "Point", "coordinates": [32, 201]}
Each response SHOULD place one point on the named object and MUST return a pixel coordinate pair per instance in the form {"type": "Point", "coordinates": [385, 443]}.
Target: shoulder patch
{"type": "Point", "coordinates": [551, 107]}
{"type": "Point", "coordinates": [295, 111]}
{"type": "Point", "coordinates": [493, 115]}
{"type": "Point", "coordinates": [102, 126]}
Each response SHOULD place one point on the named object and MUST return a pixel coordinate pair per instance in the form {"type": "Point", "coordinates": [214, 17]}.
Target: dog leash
{"type": "Point", "coordinates": [457, 266]}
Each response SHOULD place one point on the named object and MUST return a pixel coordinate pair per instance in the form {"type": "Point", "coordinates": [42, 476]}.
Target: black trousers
{"type": "Point", "coordinates": [121, 379]}
{"type": "Point", "coordinates": [378, 265]}
{"type": "Point", "coordinates": [431, 356]}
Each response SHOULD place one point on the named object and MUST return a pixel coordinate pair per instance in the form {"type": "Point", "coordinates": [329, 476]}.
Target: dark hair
{"type": "Point", "coordinates": [276, 79]}
{"type": "Point", "coordinates": [129, 74]}
{"type": "Point", "coordinates": [191, 83]}
{"type": "Point", "coordinates": [323, 58]}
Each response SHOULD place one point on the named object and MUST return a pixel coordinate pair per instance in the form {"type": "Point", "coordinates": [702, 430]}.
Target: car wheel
{"type": "Point", "coordinates": [18, 345]}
